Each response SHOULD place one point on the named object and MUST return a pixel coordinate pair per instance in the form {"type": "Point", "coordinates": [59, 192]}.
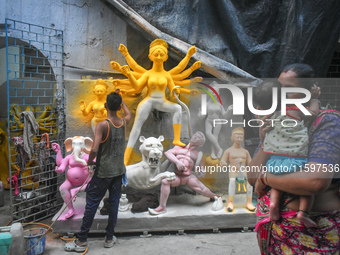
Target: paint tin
{"type": "Point", "coordinates": [32, 237]}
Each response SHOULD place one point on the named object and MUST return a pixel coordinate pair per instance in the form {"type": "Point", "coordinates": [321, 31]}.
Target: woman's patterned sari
{"type": "Point", "coordinates": [288, 235]}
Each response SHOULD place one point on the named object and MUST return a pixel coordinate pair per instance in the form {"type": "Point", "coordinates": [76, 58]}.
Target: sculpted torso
{"type": "Point", "coordinates": [96, 106]}
{"type": "Point", "coordinates": [157, 83]}
{"type": "Point", "coordinates": [157, 79]}
{"type": "Point", "coordinates": [187, 158]}
{"type": "Point", "coordinates": [213, 111]}
{"type": "Point", "coordinates": [233, 156]}
{"type": "Point", "coordinates": [77, 172]}
{"type": "Point", "coordinates": [99, 110]}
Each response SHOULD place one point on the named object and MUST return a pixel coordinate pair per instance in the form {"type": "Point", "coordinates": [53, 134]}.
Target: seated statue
{"type": "Point", "coordinates": [185, 160]}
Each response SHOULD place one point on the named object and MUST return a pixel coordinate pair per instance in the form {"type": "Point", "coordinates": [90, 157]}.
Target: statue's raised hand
{"type": "Point", "coordinates": [125, 70]}
{"type": "Point", "coordinates": [116, 82]}
{"type": "Point", "coordinates": [177, 89]}
{"type": "Point", "coordinates": [82, 105]}
{"type": "Point", "coordinates": [197, 65]}
{"type": "Point", "coordinates": [193, 92]}
{"type": "Point", "coordinates": [122, 91]}
{"type": "Point", "coordinates": [197, 79]}
{"type": "Point", "coordinates": [115, 66]}
{"type": "Point", "coordinates": [191, 51]}
{"type": "Point", "coordinates": [229, 112]}
{"type": "Point", "coordinates": [122, 48]}
{"type": "Point", "coordinates": [55, 147]}
{"type": "Point", "coordinates": [58, 170]}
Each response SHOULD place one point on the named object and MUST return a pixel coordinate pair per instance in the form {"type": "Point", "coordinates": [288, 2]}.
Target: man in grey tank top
{"type": "Point", "coordinates": [108, 147]}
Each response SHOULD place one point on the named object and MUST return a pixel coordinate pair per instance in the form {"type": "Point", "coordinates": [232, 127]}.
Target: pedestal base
{"type": "Point", "coordinates": [211, 162]}
{"type": "Point", "coordinates": [184, 212]}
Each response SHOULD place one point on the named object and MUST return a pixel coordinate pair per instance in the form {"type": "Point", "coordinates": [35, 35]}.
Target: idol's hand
{"type": "Point", "coordinates": [126, 70]}
{"type": "Point", "coordinates": [115, 66]}
{"type": "Point", "coordinates": [122, 48]}
{"type": "Point", "coordinates": [193, 92]}
{"type": "Point", "coordinates": [197, 65]}
{"type": "Point", "coordinates": [180, 166]}
{"type": "Point", "coordinates": [191, 51]}
{"type": "Point", "coordinates": [197, 79]}
{"type": "Point", "coordinates": [82, 105]}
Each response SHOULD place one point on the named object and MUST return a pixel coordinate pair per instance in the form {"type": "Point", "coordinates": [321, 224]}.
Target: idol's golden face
{"type": "Point", "coordinates": [158, 56]}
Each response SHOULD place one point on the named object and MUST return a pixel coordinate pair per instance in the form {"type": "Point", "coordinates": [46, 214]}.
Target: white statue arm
{"type": "Point", "coordinates": [199, 165]}
{"type": "Point", "coordinates": [159, 177]}
{"type": "Point", "coordinates": [228, 113]}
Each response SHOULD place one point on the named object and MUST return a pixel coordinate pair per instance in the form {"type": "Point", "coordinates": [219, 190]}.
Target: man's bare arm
{"type": "Point", "coordinates": [101, 130]}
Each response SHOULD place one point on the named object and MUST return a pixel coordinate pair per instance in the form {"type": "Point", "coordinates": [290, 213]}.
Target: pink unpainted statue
{"type": "Point", "coordinates": [186, 160]}
{"type": "Point", "coordinates": [77, 172]}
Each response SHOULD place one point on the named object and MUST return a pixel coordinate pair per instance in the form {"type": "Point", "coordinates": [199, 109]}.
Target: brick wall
{"type": "Point", "coordinates": [334, 68]}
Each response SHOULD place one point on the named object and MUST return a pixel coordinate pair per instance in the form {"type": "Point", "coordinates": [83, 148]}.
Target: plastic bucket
{"type": "Point", "coordinates": [5, 242]}
{"type": "Point", "coordinates": [32, 236]}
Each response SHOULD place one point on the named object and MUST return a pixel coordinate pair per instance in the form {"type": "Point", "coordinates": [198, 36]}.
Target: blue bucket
{"type": "Point", "coordinates": [32, 236]}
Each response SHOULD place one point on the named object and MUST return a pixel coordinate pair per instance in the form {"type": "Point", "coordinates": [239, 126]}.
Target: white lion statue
{"type": "Point", "coordinates": [147, 173]}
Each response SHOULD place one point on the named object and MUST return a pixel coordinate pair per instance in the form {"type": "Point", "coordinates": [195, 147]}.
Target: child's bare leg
{"type": "Point", "coordinates": [274, 213]}
{"type": "Point", "coordinates": [306, 203]}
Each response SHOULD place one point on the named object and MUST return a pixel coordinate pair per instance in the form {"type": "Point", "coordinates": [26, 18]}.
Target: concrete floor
{"type": "Point", "coordinates": [231, 241]}
{"type": "Point", "coordinates": [5, 210]}
{"type": "Point", "coordinates": [189, 244]}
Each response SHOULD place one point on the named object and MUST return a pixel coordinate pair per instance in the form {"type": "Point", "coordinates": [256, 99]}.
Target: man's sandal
{"type": "Point", "coordinates": [74, 247]}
